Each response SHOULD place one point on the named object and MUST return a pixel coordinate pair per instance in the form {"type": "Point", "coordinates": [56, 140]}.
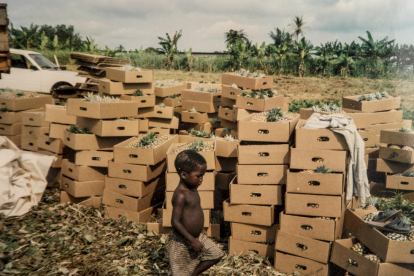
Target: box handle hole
{"type": "Point", "coordinates": [30, 132]}
{"type": "Point", "coordinates": [317, 159]}
{"type": "Point", "coordinates": [227, 114]}
{"type": "Point", "coordinates": [323, 139]}
{"type": "Point", "coordinates": [264, 83]}
{"type": "Point", "coordinates": [314, 183]}
{"type": "Point", "coordinates": [412, 252]}
{"type": "Point", "coordinates": [3, 103]}
{"type": "Point", "coordinates": [255, 251]}
{"type": "Point", "coordinates": [159, 112]}
{"type": "Point", "coordinates": [31, 119]}
{"type": "Point", "coordinates": [1, 128]}
{"type": "Point", "coordinates": [30, 144]}
{"type": "Point", "coordinates": [133, 156]}
{"type": "Point", "coordinates": [143, 101]}
{"type": "Point", "coordinates": [122, 186]}
{"type": "Point", "coordinates": [67, 138]}
{"type": "Point", "coordinates": [306, 227]}
{"type": "Point", "coordinates": [394, 154]}
{"type": "Point", "coordinates": [127, 171]}
{"type": "Point", "coordinates": [365, 139]}
{"type": "Point", "coordinates": [263, 154]}
{"type": "Point", "coordinates": [351, 105]}
{"type": "Point", "coordinates": [301, 267]}
{"type": "Point", "coordinates": [70, 170]}
{"type": "Point", "coordinates": [352, 263]}
{"type": "Point", "coordinates": [47, 143]}
{"type": "Point", "coordinates": [119, 201]}
{"type": "Point", "coordinates": [248, 214]}
{"type": "Point", "coordinates": [302, 246]}
{"type": "Point", "coordinates": [191, 117]}
{"type": "Point", "coordinates": [96, 158]}
{"type": "Point", "coordinates": [404, 183]}
{"type": "Point", "coordinates": [83, 108]}
{"type": "Point", "coordinates": [262, 174]}
{"type": "Point", "coordinates": [255, 194]}
{"type": "Point", "coordinates": [232, 93]}
{"type": "Point", "coordinates": [313, 205]}
{"type": "Point", "coordinates": [139, 77]}
{"type": "Point", "coordinates": [249, 103]}
{"type": "Point", "coordinates": [66, 185]}
{"type": "Point", "coordinates": [120, 128]}
{"type": "Point", "coordinates": [256, 232]}
{"type": "Point", "coordinates": [263, 131]}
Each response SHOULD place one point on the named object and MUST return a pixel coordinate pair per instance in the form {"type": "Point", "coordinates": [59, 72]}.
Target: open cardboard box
{"type": "Point", "coordinates": [315, 205]}
{"type": "Point", "coordinates": [59, 158]}
{"type": "Point", "coordinates": [200, 96]}
{"type": "Point", "coordinates": [175, 102]}
{"type": "Point", "coordinates": [260, 105]}
{"type": "Point", "coordinates": [399, 182]}
{"type": "Point", "coordinates": [393, 167]}
{"type": "Point", "coordinates": [227, 102]}
{"type": "Point", "coordinates": [342, 254]}
{"type": "Point", "coordinates": [291, 264]}
{"type": "Point", "coordinates": [232, 93]}
{"type": "Point", "coordinates": [223, 180]}
{"type": "Point", "coordinates": [94, 201]}
{"type": "Point", "coordinates": [34, 117]}
{"type": "Point", "coordinates": [117, 74]}
{"type": "Point", "coordinates": [315, 183]}
{"type": "Point", "coordinates": [136, 172]}
{"type": "Point", "coordinates": [82, 173]}
{"type": "Point", "coordinates": [50, 144]}
{"type": "Point", "coordinates": [311, 227]}
{"type": "Point", "coordinates": [303, 246]}
{"type": "Point", "coordinates": [163, 123]}
{"type": "Point", "coordinates": [220, 132]}
{"type": "Point", "coordinates": [33, 132]}
{"type": "Point", "coordinates": [206, 199]}
{"type": "Point", "coordinates": [156, 111]}
{"type": "Point", "coordinates": [57, 131]}
{"type": "Point", "coordinates": [227, 114]}
{"type": "Point", "coordinates": [255, 194]}
{"type": "Point", "coordinates": [224, 164]}
{"type": "Point", "coordinates": [247, 82]}
{"type": "Point", "coordinates": [370, 138]}
{"type": "Point", "coordinates": [82, 188]}
{"type": "Point", "coordinates": [81, 108]}
{"type": "Point", "coordinates": [167, 215]}
{"type": "Point", "coordinates": [142, 101]}
{"type": "Point", "coordinates": [311, 159]}
{"type": "Point", "coordinates": [118, 200]}
{"type": "Point", "coordinates": [16, 139]}
{"type": "Point", "coordinates": [207, 107]}
{"type": "Point", "coordinates": [386, 249]}
{"type": "Point", "coordinates": [197, 118]}
{"type": "Point", "coordinates": [90, 141]}
{"type": "Point", "coordinates": [266, 131]}
{"type": "Point", "coordinates": [13, 129]}
{"type": "Point", "coordinates": [29, 144]}
{"type": "Point", "coordinates": [351, 102]}
{"type": "Point", "coordinates": [10, 117]}
{"type": "Point", "coordinates": [19, 104]}
{"type": "Point", "coordinates": [133, 187]}
{"type": "Point", "coordinates": [253, 233]}
{"type": "Point", "coordinates": [57, 114]}
{"type": "Point", "coordinates": [94, 158]}
{"type": "Point", "coordinates": [172, 180]}
{"type": "Point", "coordinates": [110, 128]}
{"type": "Point", "coordinates": [397, 138]}
{"type": "Point", "coordinates": [142, 156]}
{"type": "Point", "coordinates": [238, 247]}
{"type": "Point", "coordinates": [263, 154]}
{"type": "Point", "coordinates": [109, 87]}
{"type": "Point", "coordinates": [390, 126]}
{"type": "Point", "coordinates": [262, 174]}
{"type": "Point", "coordinates": [169, 91]}
{"type": "Point", "coordinates": [139, 217]}
{"type": "Point", "coordinates": [397, 155]}
{"type": "Point", "coordinates": [208, 156]}
{"type": "Point", "coordinates": [250, 214]}
{"type": "Point", "coordinates": [226, 149]}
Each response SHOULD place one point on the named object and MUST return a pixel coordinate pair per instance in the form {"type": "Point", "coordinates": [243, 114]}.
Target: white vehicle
{"type": "Point", "coordinates": [31, 71]}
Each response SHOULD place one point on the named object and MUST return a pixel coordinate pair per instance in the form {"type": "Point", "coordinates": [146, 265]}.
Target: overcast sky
{"type": "Point", "coordinates": [136, 23]}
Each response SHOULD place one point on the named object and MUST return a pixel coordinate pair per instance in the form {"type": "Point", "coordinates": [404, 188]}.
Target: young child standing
{"type": "Point", "coordinates": [190, 251]}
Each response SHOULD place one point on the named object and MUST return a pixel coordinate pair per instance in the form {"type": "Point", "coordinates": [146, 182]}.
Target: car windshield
{"type": "Point", "coordinates": [42, 61]}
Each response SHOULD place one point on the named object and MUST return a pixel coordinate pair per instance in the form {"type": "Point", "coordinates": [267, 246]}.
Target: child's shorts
{"type": "Point", "coordinates": [183, 258]}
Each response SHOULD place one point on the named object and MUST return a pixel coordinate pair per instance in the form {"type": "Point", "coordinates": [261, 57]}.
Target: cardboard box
{"type": "Point", "coordinates": [228, 124]}
{"type": "Point", "coordinates": [315, 183]}
{"type": "Point", "coordinates": [16, 139]}
{"type": "Point", "coordinates": [237, 247]}
{"type": "Point", "coordinates": [197, 118]}
{"type": "Point", "coordinates": [59, 157]}
{"type": "Point", "coordinates": [372, 152]}
{"type": "Point", "coordinates": [257, 104]}
{"type": "Point", "coordinates": [206, 199]}
{"type": "Point", "coordinates": [133, 187]}
{"type": "Point", "coordinates": [363, 120]}
{"type": "Point", "coordinates": [94, 201]}
{"type": "Point", "coordinates": [34, 117]}
{"type": "Point", "coordinates": [304, 159]}
{"type": "Point", "coordinates": [82, 189]}
{"type": "Point", "coordinates": [160, 131]}
{"type": "Point", "coordinates": [256, 194]}
{"type": "Point", "coordinates": [291, 264]}
{"type": "Point", "coordinates": [118, 200]}
{"type": "Point", "coordinates": [13, 129]}
{"type": "Point", "coordinates": [266, 131]}
{"type": "Point", "coordinates": [223, 180]}
{"type": "Point", "coordinates": [262, 174]}
{"type": "Point", "coordinates": [253, 233]}
{"type": "Point", "coordinates": [226, 148]}
{"type": "Point", "coordinates": [57, 114]}
{"type": "Point", "coordinates": [247, 82]}
{"type": "Point", "coordinates": [397, 155]}
{"type": "Point", "coordinates": [318, 138]}
{"type": "Point", "coordinates": [82, 173]}
{"type": "Point", "coordinates": [163, 123]}
{"type": "Point", "coordinates": [109, 87]}
{"type": "Point", "coordinates": [90, 141]}
{"type": "Point", "coordinates": [224, 164]}
{"type": "Point", "coordinates": [50, 144]}
{"type": "Point", "coordinates": [208, 155]}
{"type": "Point", "coordinates": [110, 128]}
{"type": "Point", "coordinates": [311, 227]}
{"type": "Point", "coordinates": [351, 102]}
{"type": "Point", "coordinates": [342, 254]}
{"type": "Point", "coordinates": [173, 179]}
{"type": "Point", "coordinates": [315, 205]}
{"type": "Point", "coordinates": [167, 215]}
{"type": "Point", "coordinates": [10, 117]}
{"type": "Point", "coordinates": [399, 182]}
{"type": "Point", "coordinates": [155, 227]}
{"type": "Point", "coordinates": [144, 124]}
{"type": "Point", "coordinates": [263, 154]}
{"type": "Point", "coordinates": [227, 102]}
{"type": "Point", "coordinates": [397, 138]}
{"type": "Point", "coordinates": [232, 93]}
{"type": "Point", "coordinates": [29, 144]}
{"type": "Point", "coordinates": [19, 104]}
{"type": "Point", "coordinates": [200, 96]}
{"type": "Point", "coordinates": [393, 167]}
{"type": "Point", "coordinates": [33, 131]}
{"type": "Point", "coordinates": [175, 102]}
{"type": "Point", "coordinates": [207, 107]}
{"type": "Point", "coordinates": [94, 158]}
{"type": "Point", "coordinates": [169, 91]}
{"type": "Point", "coordinates": [117, 74]}
{"type": "Point", "coordinates": [391, 126]}
{"type": "Point", "coordinates": [57, 131]}
{"type": "Point", "coordinates": [136, 172]}
{"type": "Point", "coordinates": [370, 138]}
{"type": "Point", "coordinates": [139, 217]}
{"type": "Point", "coordinates": [142, 101]}
{"type": "Point", "coordinates": [303, 246]}
{"type": "Point", "coordinates": [250, 214]}
{"type": "Point", "coordinates": [79, 107]}
{"type": "Point", "coordinates": [142, 156]}
{"type": "Point", "coordinates": [221, 132]}
{"type": "Point", "coordinates": [156, 112]}
{"type": "Point", "coordinates": [185, 138]}
{"type": "Point", "coordinates": [227, 114]}
{"type": "Point", "coordinates": [386, 249]}
{"type": "Point", "coordinates": [204, 84]}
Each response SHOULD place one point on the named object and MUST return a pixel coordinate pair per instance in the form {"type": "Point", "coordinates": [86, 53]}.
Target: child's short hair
{"type": "Point", "coordinates": [188, 161]}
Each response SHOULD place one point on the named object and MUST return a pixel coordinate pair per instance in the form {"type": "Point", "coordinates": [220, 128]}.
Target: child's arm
{"type": "Point", "coordinates": [178, 203]}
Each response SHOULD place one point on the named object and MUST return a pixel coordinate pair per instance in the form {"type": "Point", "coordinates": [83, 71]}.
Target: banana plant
{"type": "Point", "coordinates": [169, 48]}
{"type": "Point", "coordinates": [376, 49]}
{"type": "Point", "coordinates": [239, 52]}
{"type": "Point", "coordinates": [302, 50]}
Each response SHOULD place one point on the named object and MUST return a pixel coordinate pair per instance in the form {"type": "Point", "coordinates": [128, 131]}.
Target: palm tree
{"type": "Point", "coordinates": [281, 37]}
{"type": "Point", "coordinates": [169, 48]}
{"type": "Point", "coordinates": [280, 53]}
{"type": "Point", "coordinates": [325, 54]}
{"type": "Point", "coordinates": [344, 62]}
{"type": "Point", "coordinates": [232, 36]}
{"type": "Point", "coordinates": [239, 52]}
{"type": "Point", "coordinates": [302, 50]}
{"type": "Point", "coordinates": [297, 27]}
{"type": "Point", "coordinates": [374, 50]}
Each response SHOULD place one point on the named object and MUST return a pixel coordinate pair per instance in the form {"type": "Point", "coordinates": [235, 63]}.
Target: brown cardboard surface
{"type": "Point", "coordinates": [363, 120]}
{"type": "Point", "coordinates": [315, 205]}
{"type": "Point", "coordinates": [220, 132]}
{"type": "Point", "coordinates": [265, 131]}
{"type": "Point", "coordinates": [223, 180]}
{"type": "Point", "coordinates": [232, 93]}
{"type": "Point", "coordinates": [397, 155]}
{"type": "Point", "coordinates": [90, 141]}
{"type": "Point", "coordinates": [237, 247]}
{"type": "Point", "coordinates": [164, 123]}
{"type": "Point", "coordinates": [9, 118]}
{"type": "Point", "coordinates": [142, 156]}
{"type": "Point", "coordinates": [173, 179]}
{"type": "Point", "coordinates": [169, 91]}
{"type": "Point", "coordinates": [390, 126]}
{"type": "Point", "coordinates": [16, 139]}
{"type": "Point", "coordinates": [160, 131]}
{"type": "Point", "coordinates": [94, 158]}
{"type": "Point", "coordinates": [257, 104]}
{"type": "Point", "coordinates": [293, 264]}
{"type": "Point", "coordinates": [294, 244]}
{"type": "Point", "coordinates": [118, 200]}
{"type": "Point", "coordinates": [393, 167]}
{"type": "Point", "coordinates": [227, 114]}
{"type": "Point", "coordinates": [318, 138]}
{"type": "Point", "coordinates": [57, 114]}
{"type": "Point", "coordinates": [189, 139]}
{"type": "Point", "coordinates": [250, 214]}
{"type": "Point", "coordinates": [387, 250]}
{"type": "Point", "coordinates": [110, 128]}
{"type": "Point", "coordinates": [109, 87]}
{"type": "Point", "coordinates": [13, 129]}
{"type": "Point", "coordinates": [94, 201]}
{"type": "Point", "coordinates": [59, 157]}
{"type": "Point", "coordinates": [226, 148]}
{"type": "Point", "coordinates": [227, 101]}
{"type": "Point", "coordinates": [143, 101]}
{"type": "Point", "coordinates": [116, 74]}
{"type": "Point", "coordinates": [29, 143]}
{"type": "Point", "coordinates": [79, 107]}
{"type": "Point", "coordinates": [228, 124]}
{"type": "Point", "coordinates": [253, 233]}
{"type": "Point", "coordinates": [50, 144]}
{"type": "Point", "coordinates": [19, 104]}
{"type": "Point", "coordinates": [397, 138]}
{"type": "Point", "coordinates": [176, 102]}
{"type": "Point", "coordinates": [351, 102]}
{"type": "Point", "coordinates": [256, 194]}
{"type": "Point", "coordinates": [82, 189]}
{"type": "Point", "coordinates": [197, 118]}
{"type": "Point", "coordinates": [133, 187]}
{"type": "Point", "coordinates": [370, 138]}
{"type": "Point", "coordinates": [82, 173]}
{"type": "Point", "coordinates": [262, 174]}
{"type": "Point", "coordinates": [206, 199]}
{"type": "Point", "coordinates": [224, 164]}
{"type": "Point", "coordinates": [304, 159]}
{"type": "Point", "coordinates": [263, 154]}
{"type": "Point", "coordinates": [167, 215]}
{"type": "Point", "coordinates": [57, 131]}
{"type": "Point", "coordinates": [315, 183]}
{"type": "Point", "coordinates": [156, 111]}
{"type": "Point", "coordinates": [136, 172]}
{"type": "Point", "coordinates": [399, 182]}
{"type": "Point", "coordinates": [319, 229]}
{"type": "Point", "coordinates": [372, 152]}
{"type": "Point", "coordinates": [34, 117]}
{"type": "Point", "coordinates": [247, 82]}
{"type": "Point", "coordinates": [208, 155]}
{"type": "Point", "coordinates": [139, 217]}
{"type": "Point", "coordinates": [200, 96]}
{"type": "Point", "coordinates": [144, 124]}
{"type": "Point", "coordinates": [207, 107]}
{"type": "Point", "coordinates": [33, 132]}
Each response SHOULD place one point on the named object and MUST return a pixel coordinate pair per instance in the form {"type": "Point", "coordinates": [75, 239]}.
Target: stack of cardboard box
{"type": "Point", "coordinates": [169, 94]}
{"type": "Point", "coordinates": [33, 127]}
{"type": "Point", "coordinates": [5, 56]}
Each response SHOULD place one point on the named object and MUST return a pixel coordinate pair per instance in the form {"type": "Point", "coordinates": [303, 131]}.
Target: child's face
{"type": "Point", "coordinates": [194, 178]}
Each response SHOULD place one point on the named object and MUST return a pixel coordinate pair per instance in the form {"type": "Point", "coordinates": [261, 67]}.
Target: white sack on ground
{"type": "Point", "coordinates": [22, 178]}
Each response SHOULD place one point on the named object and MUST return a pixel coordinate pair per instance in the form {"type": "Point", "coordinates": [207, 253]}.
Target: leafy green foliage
{"type": "Point", "coordinates": [147, 140]}
{"type": "Point", "coordinates": [403, 129]}
{"type": "Point", "coordinates": [77, 130]}
{"type": "Point", "coordinates": [4, 109]}
{"type": "Point", "coordinates": [408, 174]}
{"type": "Point", "coordinates": [397, 202]}
{"type": "Point", "coordinates": [138, 93]}
{"type": "Point", "coordinates": [174, 96]}
{"type": "Point", "coordinates": [197, 145]}
{"type": "Point", "coordinates": [295, 105]}
{"type": "Point", "coordinates": [200, 133]}
{"type": "Point", "coordinates": [261, 94]}
{"type": "Point", "coordinates": [408, 114]}
{"type": "Point", "coordinates": [322, 169]}
{"type": "Point", "coordinates": [274, 114]}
